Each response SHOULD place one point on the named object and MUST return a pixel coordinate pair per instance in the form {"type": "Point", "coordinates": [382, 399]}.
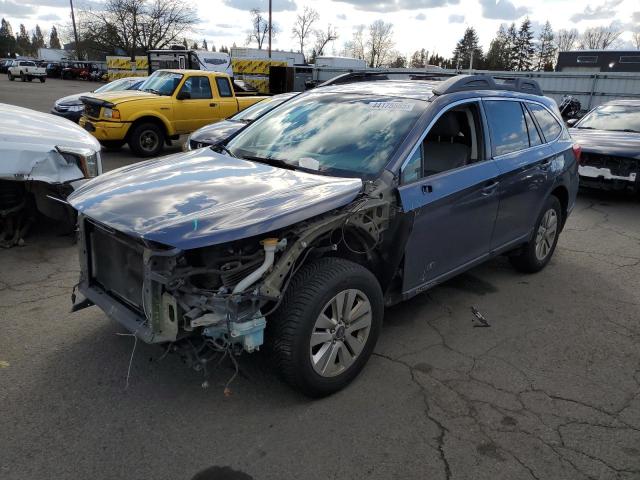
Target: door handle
{"type": "Point", "coordinates": [490, 187]}
{"type": "Point", "coordinates": [427, 189]}
{"type": "Point", "coordinates": [213, 104]}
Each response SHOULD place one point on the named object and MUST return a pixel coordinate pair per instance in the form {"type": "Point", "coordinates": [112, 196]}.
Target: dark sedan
{"type": "Point", "coordinates": [610, 139]}
{"type": "Point", "coordinates": [71, 107]}
{"type": "Point", "coordinates": [218, 132]}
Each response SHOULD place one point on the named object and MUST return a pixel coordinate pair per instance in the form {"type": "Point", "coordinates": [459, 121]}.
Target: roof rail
{"type": "Point", "coordinates": [462, 83]}
{"type": "Point", "coordinates": [367, 76]}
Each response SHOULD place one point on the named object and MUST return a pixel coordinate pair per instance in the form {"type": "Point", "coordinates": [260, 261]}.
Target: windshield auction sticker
{"type": "Point", "coordinates": [404, 106]}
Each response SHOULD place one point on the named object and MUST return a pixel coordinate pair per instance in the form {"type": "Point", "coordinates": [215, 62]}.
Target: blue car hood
{"type": "Point", "coordinates": [202, 198]}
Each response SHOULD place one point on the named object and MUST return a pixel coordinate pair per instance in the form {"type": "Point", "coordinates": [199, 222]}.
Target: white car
{"type": "Point", "coordinates": [43, 158]}
{"type": "Point", "coordinates": [26, 70]}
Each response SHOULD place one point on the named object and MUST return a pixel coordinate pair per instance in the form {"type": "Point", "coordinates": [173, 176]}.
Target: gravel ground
{"type": "Point", "coordinates": [551, 390]}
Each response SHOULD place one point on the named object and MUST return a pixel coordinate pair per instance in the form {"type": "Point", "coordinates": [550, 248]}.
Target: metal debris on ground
{"type": "Point", "coordinates": [480, 318]}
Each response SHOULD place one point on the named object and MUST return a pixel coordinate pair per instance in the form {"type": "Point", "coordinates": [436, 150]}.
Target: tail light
{"type": "Point", "coordinates": [577, 152]}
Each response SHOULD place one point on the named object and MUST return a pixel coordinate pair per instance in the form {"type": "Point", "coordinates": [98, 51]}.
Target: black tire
{"type": "Point", "coordinates": [22, 77]}
{"type": "Point", "coordinates": [29, 78]}
{"type": "Point", "coordinates": [112, 144]}
{"type": "Point", "coordinates": [139, 139]}
{"type": "Point", "coordinates": [42, 79]}
{"type": "Point", "coordinates": [11, 77]}
{"type": "Point", "coordinates": [527, 260]}
{"type": "Point", "coordinates": [289, 329]}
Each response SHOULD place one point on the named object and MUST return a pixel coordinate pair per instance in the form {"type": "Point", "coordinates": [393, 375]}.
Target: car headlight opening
{"type": "Point", "coordinates": [85, 159]}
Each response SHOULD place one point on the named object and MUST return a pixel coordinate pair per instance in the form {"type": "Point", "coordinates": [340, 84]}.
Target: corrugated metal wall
{"type": "Point", "coordinates": [591, 89]}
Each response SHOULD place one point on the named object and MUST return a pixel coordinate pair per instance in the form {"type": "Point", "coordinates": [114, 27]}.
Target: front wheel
{"type": "Point", "coordinates": [11, 77]}
{"type": "Point", "coordinates": [535, 255]}
{"type": "Point", "coordinates": [42, 79]}
{"type": "Point", "coordinates": [23, 78]}
{"type": "Point", "coordinates": [146, 140]}
{"type": "Point", "coordinates": [327, 326]}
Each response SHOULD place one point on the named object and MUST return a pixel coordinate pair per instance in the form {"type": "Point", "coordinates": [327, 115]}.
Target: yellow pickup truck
{"type": "Point", "coordinates": [169, 103]}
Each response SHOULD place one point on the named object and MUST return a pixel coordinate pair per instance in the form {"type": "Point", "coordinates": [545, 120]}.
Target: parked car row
{"type": "Point", "coordinates": [77, 70]}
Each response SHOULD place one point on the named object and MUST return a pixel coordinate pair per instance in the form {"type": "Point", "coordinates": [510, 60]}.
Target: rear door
{"type": "Point", "coordinates": [455, 208]}
{"type": "Point", "coordinates": [523, 160]}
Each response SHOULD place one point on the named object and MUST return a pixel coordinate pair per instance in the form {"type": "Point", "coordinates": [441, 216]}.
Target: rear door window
{"type": "Point", "coordinates": [508, 126]}
{"type": "Point", "coordinates": [548, 123]}
{"type": "Point", "coordinates": [534, 136]}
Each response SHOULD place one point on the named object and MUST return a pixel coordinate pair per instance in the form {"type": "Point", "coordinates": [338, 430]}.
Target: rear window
{"type": "Point", "coordinates": [224, 88]}
{"type": "Point", "coordinates": [548, 123]}
{"type": "Point", "coordinates": [507, 125]}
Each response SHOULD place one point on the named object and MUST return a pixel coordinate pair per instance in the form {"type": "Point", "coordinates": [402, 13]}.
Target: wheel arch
{"type": "Point", "coordinates": [148, 119]}
{"type": "Point", "coordinates": [562, 194]}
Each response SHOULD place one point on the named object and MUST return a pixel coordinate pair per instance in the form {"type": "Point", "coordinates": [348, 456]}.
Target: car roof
{"type": "Point", "coordinates": [421, 90]}
{"type": "Point", "coordinates": [192, 72]}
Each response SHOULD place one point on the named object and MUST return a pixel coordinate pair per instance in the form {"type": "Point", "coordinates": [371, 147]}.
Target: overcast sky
{"type": "Point", "coordinates": [435, 25]}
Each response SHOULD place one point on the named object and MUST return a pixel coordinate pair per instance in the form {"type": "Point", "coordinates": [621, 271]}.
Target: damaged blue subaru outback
{"type": "Point", "coordinates": [297, 233]}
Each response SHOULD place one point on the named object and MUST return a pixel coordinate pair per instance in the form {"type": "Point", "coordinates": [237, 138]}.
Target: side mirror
{"type": "Point", "coordinates": [183, 96]}
{"type": "Point", "coordinates": [571, 122]}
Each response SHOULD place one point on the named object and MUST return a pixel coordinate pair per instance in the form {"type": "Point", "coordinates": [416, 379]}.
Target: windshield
{"type": "Point", "coordinates": [258, 109]}
{"type": "Point", "coordinates": [116, 85]}
{"type": "Point", "coordinates": [162, 83]}
{"type": "Point", "coordinates": [613, 117]}
{"type": "Point", "coordinates": [341, 134]}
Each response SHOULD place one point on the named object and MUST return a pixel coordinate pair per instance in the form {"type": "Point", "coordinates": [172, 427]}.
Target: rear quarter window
{"type": "Point", "coordinates": [224, 88]}
{"type": "Point", "coordinates": [548, 123]}
{"type": "Point", "coordinates": [507, 125]}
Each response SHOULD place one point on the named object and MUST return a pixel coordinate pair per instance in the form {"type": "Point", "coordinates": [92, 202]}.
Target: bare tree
{"type": "Point", "coordinates": [600, 38]}
{"type": "Point", "coordinates": [356, 46]}
{"type": "Point", "coordinates": [635, 36]}
{"type": "Point", "coordinates": [302, 28]}
{"type": "Point", "coordinates": [324, 37]}
{"type": "Point", "coordinates": [260, 28]}
{"type": "Point", "coordinates": [380, 43]}
{"type": "Point", "coordinates": [566, 40]}
{"type": "Point", "coordinates": [136, 24]}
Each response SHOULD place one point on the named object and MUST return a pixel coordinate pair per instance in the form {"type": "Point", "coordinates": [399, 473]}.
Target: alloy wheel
{"type": "Point", "coordinates": [546, 235]}
{"type": "Point", "coordinates": [340, 332]}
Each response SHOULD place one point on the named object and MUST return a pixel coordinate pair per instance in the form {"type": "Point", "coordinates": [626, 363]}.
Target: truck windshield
{"type": "Point", "coordinates": [162, 83]}
{"type": "Point", "coordinates": [613, 117]}
{"type": "Point", "coordinates": [333, 133]}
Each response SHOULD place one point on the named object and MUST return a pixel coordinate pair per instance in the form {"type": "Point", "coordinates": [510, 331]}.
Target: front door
{"type": "Point", "coordinates": [195, 106]}
{"type": "Point", "coordinates": [450, 188]}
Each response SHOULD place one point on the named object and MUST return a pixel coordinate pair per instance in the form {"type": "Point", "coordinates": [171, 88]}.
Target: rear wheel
{"type": "Point", "coordinates": [42, 79]}
{"type": "Point", "coordinates": [146, 139]}
{"type": "Point", "coordinates": [23, 78]}
{"type": "Point", "coordinates": [535, 255]}
{"type": "Point", "coordinates": [11, 77]}
{"type": "Point", "coordinates": [327, 326]}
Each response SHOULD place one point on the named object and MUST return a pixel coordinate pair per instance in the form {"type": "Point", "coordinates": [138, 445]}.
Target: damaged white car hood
{"type": "Point", "coordinates": [28, 141]}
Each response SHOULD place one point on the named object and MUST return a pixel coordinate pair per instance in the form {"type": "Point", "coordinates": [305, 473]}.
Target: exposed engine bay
{"type": "Point", "coordinates": [218, 296]}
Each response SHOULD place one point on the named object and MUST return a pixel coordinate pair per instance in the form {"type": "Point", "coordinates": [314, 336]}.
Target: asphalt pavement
{"type": "Point", "coordinates": [549, 390]}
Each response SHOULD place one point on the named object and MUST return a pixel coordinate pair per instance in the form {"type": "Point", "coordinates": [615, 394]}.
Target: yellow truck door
{"type": "Point", "coordinates": [228, 102]}
{"type": "Point", "coordinates": [195, 105]}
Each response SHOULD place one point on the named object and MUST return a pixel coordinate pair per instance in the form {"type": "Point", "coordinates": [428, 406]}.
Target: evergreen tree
{"type": "Point", "coordinates": [524, 47]}
{"type": "Point", "coordinates": [436, 59]}
{"type": "Point", "coordinates": [38, 38]}
{"type": "Point", "coordinates": [213, 48]}
{"type": "Point", "coordinates": [510, 58]}
{"type": "Point", "coordinates": [23, 44]}
{"type": "Point", "coordinates": [546, 49]}
{"type": "Point", "coordinates": [204, 45]}
{"type": "Point", "coordinates": [7, 40]}
{"type": "Point", "coordinates": [185, 44]}
{"type": "Point", "coordinates": [54, 41]}
{"type": "Point", "coordinates": [498, 55]}
{"type": "Point", "coordinates": [195, 46]}
{"type": "Point", "coordinates": [467, 45]}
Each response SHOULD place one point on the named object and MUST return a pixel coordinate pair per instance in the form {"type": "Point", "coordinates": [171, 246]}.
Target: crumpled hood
{"type": "Point", "coordinates": [28, 141]}
{"type": "Point", "coordinates": [216, 132]}
{"type": "Point", "coordinates": [620, 144]}
{"type": "Point", "coordinates": [202, 198]}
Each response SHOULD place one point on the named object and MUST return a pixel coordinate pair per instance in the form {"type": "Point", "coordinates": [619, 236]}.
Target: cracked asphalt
{"type": "Point", "coordinates": [551, 390]}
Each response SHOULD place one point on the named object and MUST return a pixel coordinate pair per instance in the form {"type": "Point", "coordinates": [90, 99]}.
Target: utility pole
{"type": "Point", "coordinates": [75, 31]}
{"type": "Point", "coordinates": [269, 28]}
